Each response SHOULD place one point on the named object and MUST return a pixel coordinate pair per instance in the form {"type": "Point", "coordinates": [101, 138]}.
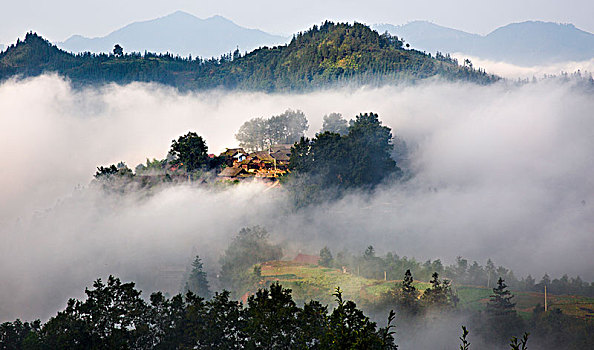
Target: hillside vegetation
{"type": "Point", "coordinates": [328, 54]}
{"type": "Point", "coordinates": [317, 282]}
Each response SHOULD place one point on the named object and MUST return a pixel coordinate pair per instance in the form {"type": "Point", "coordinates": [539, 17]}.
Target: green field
{"type": "Point", "coordinates": [316, 282]}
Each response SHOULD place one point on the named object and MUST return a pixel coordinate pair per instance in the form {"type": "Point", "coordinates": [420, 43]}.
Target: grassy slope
{"type": "Point", "coordinates": [315, 282]}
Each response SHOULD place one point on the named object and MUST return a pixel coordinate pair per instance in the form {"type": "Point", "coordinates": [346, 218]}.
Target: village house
{"type": "Point", "coordinates": [234, 155]}
{"type": "Point", "coordinates": [261, 164]}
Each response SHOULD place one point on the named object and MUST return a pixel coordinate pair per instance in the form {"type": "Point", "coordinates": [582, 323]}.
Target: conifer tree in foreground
{"type": "Point", "coordinates": [410, 295]}
{"type": "Point", "coordinates": [502, 317]}
{"type": "Point", "coordinates": [501, 303]}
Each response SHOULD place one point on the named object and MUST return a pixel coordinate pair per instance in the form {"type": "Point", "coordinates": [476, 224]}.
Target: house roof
{"type": "Point", "coordinates": [230, 172]}
{"type": "Point", "coordinates": [281, 147]}
{"type": "Point", "coordinates": [262, 155]}
{"type": "Point", "coordinates": [281, 156]}
{"type": "Point", "coordinates": [230, 152]}
{"type": "Point", "coordinates": [307, 259]}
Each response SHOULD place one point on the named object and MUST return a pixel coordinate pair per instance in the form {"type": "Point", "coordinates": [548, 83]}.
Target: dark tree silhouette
{"type": "Point", "coordinates": [197, 282]}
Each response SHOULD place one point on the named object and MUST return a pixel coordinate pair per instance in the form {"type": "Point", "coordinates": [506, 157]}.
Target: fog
{"type": "Point", "coordinates": [512, 71]}
{"type": "Point", "coordinates": [501, 171]}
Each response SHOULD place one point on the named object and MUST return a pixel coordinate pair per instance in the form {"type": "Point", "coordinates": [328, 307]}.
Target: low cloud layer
{"type": "Point", "coordinates": [501, 172]}
{"type": "Point", "coordinates": [512, 71]}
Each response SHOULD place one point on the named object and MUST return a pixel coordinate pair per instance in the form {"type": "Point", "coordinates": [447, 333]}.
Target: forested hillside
{"type": "Point", "coordinates": [328, 54]}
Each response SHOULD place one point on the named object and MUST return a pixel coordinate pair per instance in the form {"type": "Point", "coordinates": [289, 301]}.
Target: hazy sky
{"type": "Point", "coordinates": [58, 19]}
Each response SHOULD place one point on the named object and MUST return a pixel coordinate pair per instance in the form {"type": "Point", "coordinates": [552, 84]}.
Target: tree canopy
{"type": "Point", "coordinates": [259, 134]}
{"type": "Point", "coordinates": [190, 151]}
{"type": "Point", "coordinates": [334, 123]}
{"type": "Point", "coordinates": [358, 159]}
{"type": "Point", "coordinates": [114, 316]}
{"type": "Point", "coordinates": [249, 247]}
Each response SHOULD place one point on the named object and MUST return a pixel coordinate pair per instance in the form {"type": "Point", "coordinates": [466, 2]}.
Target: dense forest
{"type": "Point", "coordinates": [327, 54]}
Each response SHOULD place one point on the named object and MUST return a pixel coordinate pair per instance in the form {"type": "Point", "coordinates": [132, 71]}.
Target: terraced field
{"type": "Point", "coordinates": [315, 282]}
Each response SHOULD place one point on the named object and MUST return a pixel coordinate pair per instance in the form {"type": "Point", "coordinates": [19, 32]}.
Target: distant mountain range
{"type": "Point", "coordinates": [179, 33]}
{"type": "Point", "coordinates": [526, 44]}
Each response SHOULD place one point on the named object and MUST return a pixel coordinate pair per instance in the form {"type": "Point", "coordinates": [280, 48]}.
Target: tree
{"type": "Point", "coordinates": [440, 294]}
{"type": "Point", "coordinates": [503, 321]}
{"type": "Point", "coordinates": [349, 328]}
{"type": "Point", "coordinates": [465, 343]}
{"type": "Point", "coordinates": [369, 253]}
{"type": "Point", "coordinates": [106, 172]}
{"type": "Point", "coordinates": [369, 144]}
{"type": "Point", "coordinates": [359, 159]}
{"type": "Point", "coordinates": [190, 150]}
{"type": "Point", "coordinates": [260, 134]}
{"type": "Point", "coordinates": [249, 247]}
{"type": "Point", "coordinates": [500, 303]}
{"type": "Point", "coordinates": [325, 257]}
{"type": "Point", "coordinates": [288, 127]}
{"type": "Point", "coordinates": [118, 50]}
{"type": "Point", "coordinates": [409, 299]}
{"type": "Point", "coordinates": [112, 317]}
{"type": "Point", "coordinates": [335, 123]}
{"type": "Point", "coordinates": [271, 318]}
{"type": "Point", "coordinates": [252, 135]}
{"type": "Point", "coordinates": [197, 282]}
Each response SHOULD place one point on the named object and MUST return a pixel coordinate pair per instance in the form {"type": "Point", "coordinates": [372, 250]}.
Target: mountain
{"type": "Point", "coordinates": [179, 33]}
{"type": "Point", "coordinates": [322, 56]}
{"type": "Point", "coordinates": [526, 44]}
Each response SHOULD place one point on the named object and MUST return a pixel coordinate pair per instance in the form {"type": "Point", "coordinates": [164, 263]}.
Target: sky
{"type": "Point", "coordinates": [59, 19]}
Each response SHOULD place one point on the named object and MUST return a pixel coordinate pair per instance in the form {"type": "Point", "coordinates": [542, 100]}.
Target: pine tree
{"type": "Point", "coordinates": [502, 317]}
{"type": "Point", "coordinates": [501, 303]}
{"type": "Point", "coordinates": [409, 294]}
{"type": "Point", "coordinates": [197, 282]}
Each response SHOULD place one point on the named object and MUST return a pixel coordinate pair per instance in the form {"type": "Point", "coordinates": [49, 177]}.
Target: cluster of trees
{"type": "Point", "coordinates": [331, 162]}
{"type": "Point", "coordinates": [495, 325]}
{"type": "Point", "coordinates": [563, 285]}
{"type": "Point", "coordinates": [410, 303]}
{"type": "Point", "coordinates": [326, 54]}
{"type": "Point", "coordinates": [187, 156]}
{"type": "Point", "coordinates": [369, 265]}
{"type": "Point", "coordinates": [114, 316]}
{"type": "Point", "coordinates": [335, 123]}
{"type": "Point", "coordinates": [259, 134]}
{"type": "Point", "coordinates": [251, 246]}
{"type": "Point", "coordinates": [358, 154]}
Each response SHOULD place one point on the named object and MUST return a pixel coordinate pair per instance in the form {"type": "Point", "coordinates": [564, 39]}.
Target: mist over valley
{"type": "Point", "coordinates": [346, 188]}
{"type": "Point", "coordinates": [499, 172]}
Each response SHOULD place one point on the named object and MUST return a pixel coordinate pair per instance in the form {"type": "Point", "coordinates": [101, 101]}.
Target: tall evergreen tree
{"type": "Point", "coordinates": [500, 303]}
{"type": "Point", "coordinates": [409, 295]}
{"type": "Point", "coordinates": [503, 320]}
{"type": "Point", "coordinates": [197, 282]}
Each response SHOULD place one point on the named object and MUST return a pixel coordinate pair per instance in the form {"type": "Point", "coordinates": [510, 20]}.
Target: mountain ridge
{"type": "Point", "coordinates": [209, 37]}
{"type": "Point", "coordinates": [319, 57]}
{"type": "Point", "coordinates": [524, 43]}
